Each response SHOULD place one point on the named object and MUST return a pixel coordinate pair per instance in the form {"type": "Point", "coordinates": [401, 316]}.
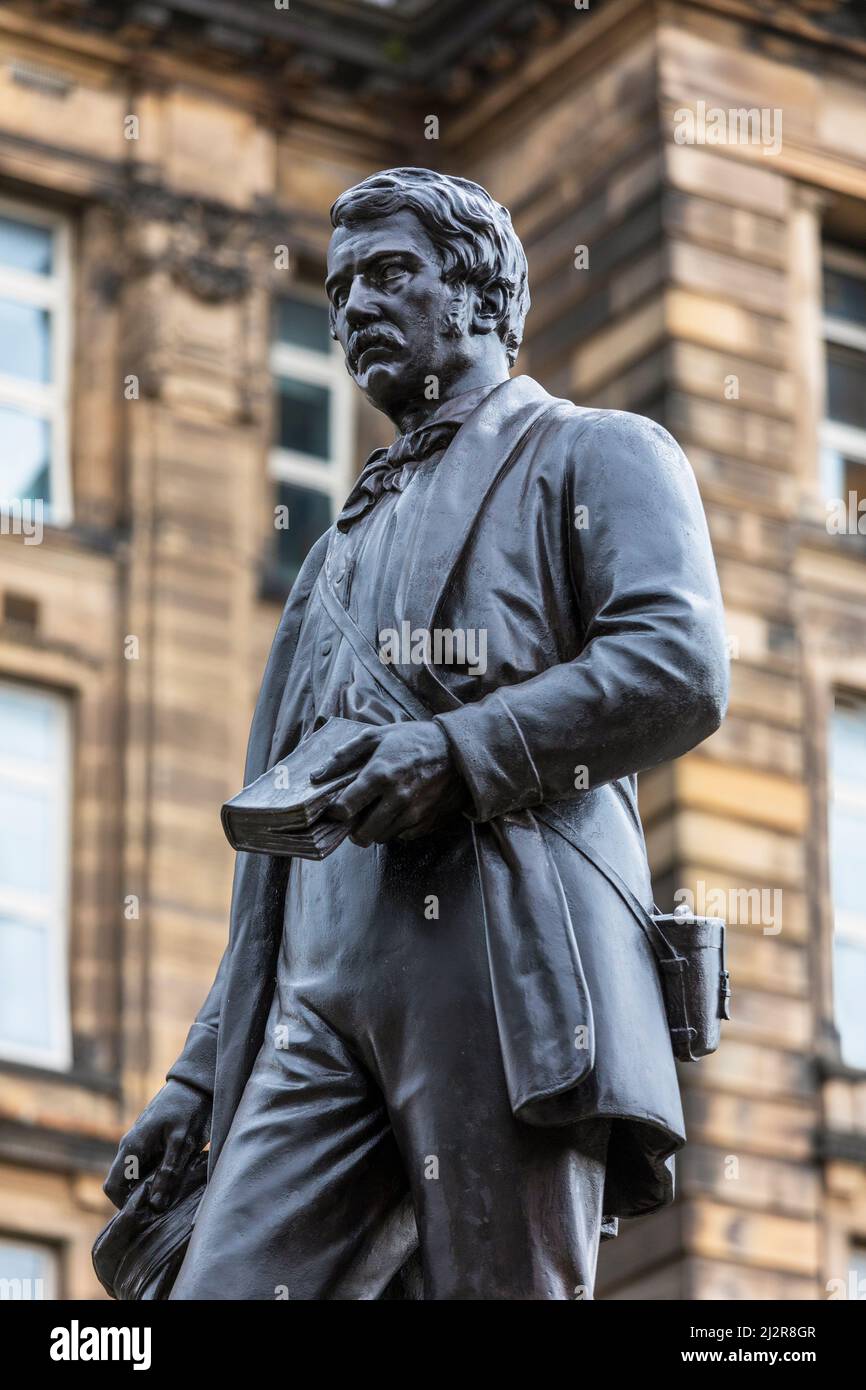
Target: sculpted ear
{"type": "Point", "coordinates": [489, 308]}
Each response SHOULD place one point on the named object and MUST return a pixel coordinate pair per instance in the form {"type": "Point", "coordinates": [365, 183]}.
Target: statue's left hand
{"type": "Point", "coordinates": [408, 783]}
{"type": "Point", "coordinates": [164, 1139]}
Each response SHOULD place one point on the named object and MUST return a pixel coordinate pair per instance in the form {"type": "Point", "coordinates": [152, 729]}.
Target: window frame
{"type": "Point", "coordinates": [834, 435]}
{"type": "Point", "coordinates": [59, 1057]}
{"type": "Point", "coordinates": [50, 400]}
{"type": "Point", "coordinates": [52, 1250]}
{"type": "Point", "coordinates": [332, 476]}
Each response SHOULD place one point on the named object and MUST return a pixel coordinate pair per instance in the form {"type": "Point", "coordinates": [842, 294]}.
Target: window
{"type": "Point", "coordinates": [34, 359]}
{"type": "Point", "coordinates": [311, 456]}
{"type": "Point", "coordinates": [856, 1288]}
{"type": "Point", "coordinates": [34, 871]}
{"type": "Point", "coordinates": [843, 435]}
{"type": "Point", "coordinates": [847, 837]}
{"type": "Point", "coordinates": [28, 1269]}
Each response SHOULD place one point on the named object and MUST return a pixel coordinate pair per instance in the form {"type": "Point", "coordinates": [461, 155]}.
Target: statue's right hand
{"type": "Point", "coordinates": [164, 1139]}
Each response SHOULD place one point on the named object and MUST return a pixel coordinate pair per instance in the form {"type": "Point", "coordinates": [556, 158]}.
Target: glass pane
{"type": "Point", "coordinates": [302, 417]}
{"type": "Point", "coordinates": [848, 748]}
{"type": "Point", "coordinates": [25, 455]}
{"type": "Point", "coordinates": [847, 838]}
{"type": "Point", "coordinates": [308, 514]}
{"type": "Point", "coordinates": [846, 385]}
{"type": "Point", "coordinates": [844, 296]}
{"type": "Point", "coordinates": [29, 725]}
{"type": "Point", "coordinates": [303, 324]}
{"type": "Point", "coordinates": [849, 970]}
{"type": "Point", "coordinates": [25, 341]}
{"type": "Point", "coordinates": [855, 481]}
{"type": "Point", "coordinates": [832, 472]}
{"type": "Point", "coordinates": [25, 246]}
{"type": "Point", "coordinates": [33, 779]}
{"type": "Point", "coordinates": [29, 1271]}
{"type": "Point", "coordinates": [844, 479]}
{"type": "Point", "coordinates": [28, 838]}
{"type": "Point", "coordinates": [25, 1000]}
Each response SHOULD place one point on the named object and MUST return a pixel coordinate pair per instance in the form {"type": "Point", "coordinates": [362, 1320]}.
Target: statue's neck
{"type": "Point", "coordinates": [415, 413]}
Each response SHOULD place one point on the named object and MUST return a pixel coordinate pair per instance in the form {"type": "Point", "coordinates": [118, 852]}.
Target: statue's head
{"type": "Point", "coordinates": [426, 278]}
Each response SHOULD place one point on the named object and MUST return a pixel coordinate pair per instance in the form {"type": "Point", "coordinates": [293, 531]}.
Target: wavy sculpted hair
{"type": "Point", "coordinates": [472, 233]}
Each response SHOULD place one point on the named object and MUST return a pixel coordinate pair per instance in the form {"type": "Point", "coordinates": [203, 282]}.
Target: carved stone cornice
{"type": "Point", "coordinates": [209, 280]}
{"type": "Point", "coordinates": [416, 48]}
{"type": "Point", "coordinates": [206, 246]}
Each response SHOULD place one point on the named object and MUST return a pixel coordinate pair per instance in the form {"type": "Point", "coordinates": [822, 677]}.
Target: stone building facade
{"type": "Point", "coordinates": [689, 180]}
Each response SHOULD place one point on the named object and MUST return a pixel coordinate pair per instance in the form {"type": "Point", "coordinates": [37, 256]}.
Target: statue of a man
{"type": "Point", "coordinates": [436, 1063]}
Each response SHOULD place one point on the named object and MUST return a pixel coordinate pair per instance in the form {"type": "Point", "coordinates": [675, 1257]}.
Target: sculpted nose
{"type": "Point", "coordinates": [361, 306]}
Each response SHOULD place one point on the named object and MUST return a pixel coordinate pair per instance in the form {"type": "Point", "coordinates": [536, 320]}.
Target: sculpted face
{"type": "Point", "coordinates": [396, 319]}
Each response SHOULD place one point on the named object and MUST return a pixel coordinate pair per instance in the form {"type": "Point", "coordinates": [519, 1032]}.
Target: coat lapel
{"type": "Point", "coordinates": [465, 475]}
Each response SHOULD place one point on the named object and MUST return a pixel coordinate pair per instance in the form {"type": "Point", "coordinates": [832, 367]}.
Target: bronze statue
{"type": "Point", "coordinates": [435, 1063]}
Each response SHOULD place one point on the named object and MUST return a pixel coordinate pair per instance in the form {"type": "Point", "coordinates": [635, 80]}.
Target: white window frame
{"type": "Point", "coordinates": [848, 926]}
{"type": "Point", "coordinates": [835, 437]}
{"type": "Point", "coordinates": [332, 476]}
{"type": "Point", "coordinates": [49, 400]}
{"type": "Point", "coordinates": [58, 776]}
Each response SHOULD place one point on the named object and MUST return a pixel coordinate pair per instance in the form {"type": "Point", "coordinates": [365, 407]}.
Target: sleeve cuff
{"type": "Point", "coordinates": [492, 756]}
{"type": "Point", "coordinates": [196, 1065]}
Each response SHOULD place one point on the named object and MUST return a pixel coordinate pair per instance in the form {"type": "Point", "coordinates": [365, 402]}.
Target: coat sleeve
{"type": "Point", "coordinates": [196, 1064]}
{"type": "Point", "coordinates": [651, 678]}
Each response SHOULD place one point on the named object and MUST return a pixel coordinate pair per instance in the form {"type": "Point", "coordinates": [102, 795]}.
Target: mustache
{"type": "Point", "coordinates": [373, 335]}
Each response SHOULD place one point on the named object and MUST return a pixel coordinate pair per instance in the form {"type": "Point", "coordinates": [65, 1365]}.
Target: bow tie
{"type": "Point", "coordinates": [386, 469]}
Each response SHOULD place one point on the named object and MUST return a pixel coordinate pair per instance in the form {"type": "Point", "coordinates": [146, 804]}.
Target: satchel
{"type": "Point", "coordinates": [695, 980]}
{"type": "Point", "coordinates": [690, 950]}
{"type": "Point", "coordinates": [138, 1255]}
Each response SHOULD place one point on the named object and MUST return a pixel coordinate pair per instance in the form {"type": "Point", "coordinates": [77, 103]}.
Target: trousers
{"type": "Point", "coordinates": [374, 1153]}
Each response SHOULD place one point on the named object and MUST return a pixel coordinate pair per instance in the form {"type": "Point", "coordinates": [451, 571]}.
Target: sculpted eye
{"type": "Point", "coordinates": [391, 272]}
{"type": "Point", "coordinates": [338, 296]}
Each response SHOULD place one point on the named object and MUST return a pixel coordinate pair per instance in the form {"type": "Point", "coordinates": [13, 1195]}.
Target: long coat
{"type": "Point", "coordinates": [577, 540]}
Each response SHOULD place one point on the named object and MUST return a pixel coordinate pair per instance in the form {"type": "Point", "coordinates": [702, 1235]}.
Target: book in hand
{"type": "Point", "coordinates": [283, 812]}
